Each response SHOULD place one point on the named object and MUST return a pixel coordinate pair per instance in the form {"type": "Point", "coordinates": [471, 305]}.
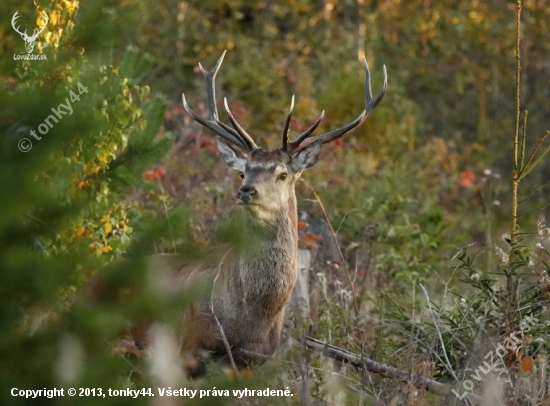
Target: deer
{"type": "Point", "coordinates": [251, 283]}
{"type": "Point", "coordinates": [29, 40]}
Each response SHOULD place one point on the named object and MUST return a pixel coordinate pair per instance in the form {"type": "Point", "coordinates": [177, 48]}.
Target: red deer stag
{"type": "Point", "coordinates": [252, 283]}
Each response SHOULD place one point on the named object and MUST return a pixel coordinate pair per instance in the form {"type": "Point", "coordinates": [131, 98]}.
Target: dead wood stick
{"type": "Point", "coordinates": [359, 361]}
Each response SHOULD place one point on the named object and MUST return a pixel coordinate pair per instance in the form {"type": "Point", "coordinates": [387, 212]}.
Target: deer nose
{"type": "Point", "coordinates": [246, 193]}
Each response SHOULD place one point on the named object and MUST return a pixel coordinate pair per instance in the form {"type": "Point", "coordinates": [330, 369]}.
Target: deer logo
{"type": "Point", "coordinates": [29, 40]}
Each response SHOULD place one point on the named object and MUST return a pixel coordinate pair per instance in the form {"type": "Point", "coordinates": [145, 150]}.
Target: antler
{"type": "Point", "coordinates": [15, 17]}
{"type": "Point", "coordinates": [236, 136]}
{"type": "Point", "coordinates": [24, 34]}
{"type": "Point", "coordinates": [370, 104]}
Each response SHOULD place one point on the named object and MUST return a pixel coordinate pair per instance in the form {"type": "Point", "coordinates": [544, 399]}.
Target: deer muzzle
{"type": "Point", "coordinates": [246, 194]}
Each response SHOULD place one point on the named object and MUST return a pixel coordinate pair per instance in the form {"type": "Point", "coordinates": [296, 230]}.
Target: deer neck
{"type": "Point", "coordinates": [280, 232]}
{"type": "Point", "coordinates": [265, 271]}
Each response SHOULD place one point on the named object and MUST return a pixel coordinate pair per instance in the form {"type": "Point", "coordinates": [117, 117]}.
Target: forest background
{"type": "Point", "coordinates": [421, 196]}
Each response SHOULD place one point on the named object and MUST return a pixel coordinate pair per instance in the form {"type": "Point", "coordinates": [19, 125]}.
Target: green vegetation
{"type": "Point", "coordinates": [439, 199]}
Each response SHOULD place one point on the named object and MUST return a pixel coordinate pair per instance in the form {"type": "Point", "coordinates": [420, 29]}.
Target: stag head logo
{"type": "Point", "coordinates": [29, 40]}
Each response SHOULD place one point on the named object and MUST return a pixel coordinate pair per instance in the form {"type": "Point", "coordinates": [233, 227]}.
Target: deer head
{"type": "Point", "coordinates": [29, 40]}
{"type": "Point", "coordinates": [269, 177]}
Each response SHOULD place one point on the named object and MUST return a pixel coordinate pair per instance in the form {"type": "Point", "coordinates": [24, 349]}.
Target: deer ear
{"type": "Point", "coordinates": [232, 157]}
{"type": "Point", "coordinates": [306, 157]}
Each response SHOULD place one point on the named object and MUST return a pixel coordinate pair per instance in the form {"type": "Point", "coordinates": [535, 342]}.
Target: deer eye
{"type": "Point", "coordinates": [241, 175]}
{"type": "Point", "coordinates": [283, 176]}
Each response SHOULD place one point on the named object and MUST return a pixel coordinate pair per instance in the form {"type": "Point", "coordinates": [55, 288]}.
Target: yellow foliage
{"type": "Point", "coordinates": [107, 225]}
{"type": "Point", "coordinates": [70, 5]}
{"type": "Point", "coordinates": [82, 232]}
{"type": "Point", "coordinates": [54, 18]}
{"type": "Point", "coordinates": [93, 170]}
{"type": "Point", "coordinates": [104, 157]}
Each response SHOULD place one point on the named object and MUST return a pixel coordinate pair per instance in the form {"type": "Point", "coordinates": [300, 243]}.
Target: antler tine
{"type": "Point", "coordinates": [15, 17]}
{"type": "Point", "coordinates": [296, 143]}
{"type": "Point", "coordinates": [214, 123]}
{"type": "Point", "coordinates": [214, 126]}
{"type": "Point", "coordinates": [370, 105]}
{"type": "Point", "coordinates": [293, 145]}
{"type": "Point", "coordinates": [210, 78]}
{"type": "Point", "coordinates": [244, 135]}
{"type": "Point", "coordinates": [286, 128]}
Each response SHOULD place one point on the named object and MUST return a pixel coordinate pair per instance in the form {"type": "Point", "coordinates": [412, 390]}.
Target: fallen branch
{"type": "Point", "coordinates": [359, 361]}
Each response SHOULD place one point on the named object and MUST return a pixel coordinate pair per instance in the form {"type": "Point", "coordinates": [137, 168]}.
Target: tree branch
{"type": "Point", "coordinates": [370, 365]}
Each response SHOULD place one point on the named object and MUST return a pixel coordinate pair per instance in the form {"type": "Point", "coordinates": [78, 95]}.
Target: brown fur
{"type": "Point", "coordinates": [249, 283]}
